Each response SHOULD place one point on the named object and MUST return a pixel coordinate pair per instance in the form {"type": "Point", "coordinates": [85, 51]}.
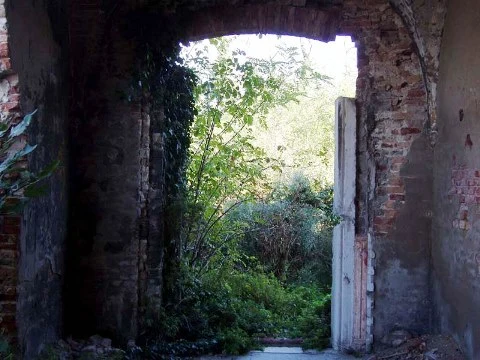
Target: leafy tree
{"type": "Point", "coordinates": [226, 167]}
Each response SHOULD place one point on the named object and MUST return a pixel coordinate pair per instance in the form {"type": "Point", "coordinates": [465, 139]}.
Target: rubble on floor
{"type": "Point", "coordinates": [400, 345]}
{"type": "Point", "coordinates": [96, 347]}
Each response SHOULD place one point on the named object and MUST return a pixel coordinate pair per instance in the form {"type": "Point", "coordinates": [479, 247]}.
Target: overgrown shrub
{"type": "Point", "coordinates": [230, 312]}
{"type": "Point", "coordinates": [257, 286]}
{"type": "Point", "coordinates": [314, 324]}
{"type": "Point", "coordinates": [291, 232]}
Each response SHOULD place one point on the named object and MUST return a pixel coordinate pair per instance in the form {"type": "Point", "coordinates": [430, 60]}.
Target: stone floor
{"type": "Point", "coordinates": [285, 353]}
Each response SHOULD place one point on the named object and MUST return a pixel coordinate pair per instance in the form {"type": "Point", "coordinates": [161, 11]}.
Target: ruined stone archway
{"type": "Point", "coordinates": [112, 231]}
{"type": "Point", "coordinates": [391, 117]}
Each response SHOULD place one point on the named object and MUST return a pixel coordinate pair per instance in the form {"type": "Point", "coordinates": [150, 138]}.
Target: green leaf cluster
{"type": "Point", "coordinates": [226, 168]}
{"type": "Point", "coordinates": [17, 183]}
{"type": "Point", "coordinates": [230, 312]}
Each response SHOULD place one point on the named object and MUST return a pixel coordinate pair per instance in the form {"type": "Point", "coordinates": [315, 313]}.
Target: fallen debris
{"type": "Point", "coordinates": [96, 347]}
{"type": "Point", "coordinates": [426, 347]}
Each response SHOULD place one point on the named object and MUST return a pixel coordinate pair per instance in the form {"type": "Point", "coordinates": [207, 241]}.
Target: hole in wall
{"type": "Point", "coordinates": [468, 142]}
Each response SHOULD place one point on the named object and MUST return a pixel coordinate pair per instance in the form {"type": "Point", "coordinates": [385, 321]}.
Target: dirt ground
{"type": "Point", "coordinates": [428, 347]}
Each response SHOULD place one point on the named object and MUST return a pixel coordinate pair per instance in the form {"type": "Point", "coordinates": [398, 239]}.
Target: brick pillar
{"type": "Point", "coordinates": [109, 177]}
{"type": "Point", "coordinates": [9, 236]}
{"type": "Point", "coordinates": [9, 225]}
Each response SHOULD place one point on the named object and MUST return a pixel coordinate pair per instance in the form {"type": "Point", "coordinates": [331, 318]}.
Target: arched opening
{"type": "Point", "coordinates": [238, 206]}
{"type": "Point", "coordinates": [315, 23]}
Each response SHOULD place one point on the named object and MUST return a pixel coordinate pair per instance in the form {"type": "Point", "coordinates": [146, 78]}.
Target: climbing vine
{"type": "Point", "coordinates": [168, 87]}
{"type": "Point", "coordinates": [175, 91]}
{"type": "Point", "coordinates": [165, 88]}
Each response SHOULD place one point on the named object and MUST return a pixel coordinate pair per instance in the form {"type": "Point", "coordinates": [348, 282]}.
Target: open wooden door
{"type": "Point", "coordinates": [349, 254]}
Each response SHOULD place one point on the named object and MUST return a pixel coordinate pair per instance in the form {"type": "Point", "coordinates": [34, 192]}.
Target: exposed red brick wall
{"type": "Point", "coordinates": [390, 83]}
{"type": "Point", "coordinates": [391, 101]}
{"type": "Point", "coordinates": [392, 105]}
{"type": "Point", "coordinates": [9, 225]}
{"type": "Point", "coordinates": [425, 21]}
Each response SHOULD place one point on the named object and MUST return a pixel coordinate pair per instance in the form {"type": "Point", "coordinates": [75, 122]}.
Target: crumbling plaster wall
{"type": "Point", "coordinates": [112, 260]}
{"type": "Point", "coordinates": [38, 49]}
{"type": "Point", "coordinates": [456, 225]}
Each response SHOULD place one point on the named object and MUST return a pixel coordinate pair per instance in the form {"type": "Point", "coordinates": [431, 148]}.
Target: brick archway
{"type": "Point", "coordinates": [319, 22]}
{"type": "Point", "coordinates": [350, 258]}
{"type": "Point", "coordinates": [111, 190]}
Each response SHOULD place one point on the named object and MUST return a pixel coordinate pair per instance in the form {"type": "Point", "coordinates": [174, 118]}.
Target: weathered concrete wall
{"type": "Point", "coordinates": [456, 226]}
{"type": "Point", "coordinates": [38, 44]}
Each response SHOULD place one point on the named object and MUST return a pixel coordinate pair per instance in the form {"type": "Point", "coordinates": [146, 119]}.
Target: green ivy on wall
{"type": "Point", "coordinates": [165, 88]}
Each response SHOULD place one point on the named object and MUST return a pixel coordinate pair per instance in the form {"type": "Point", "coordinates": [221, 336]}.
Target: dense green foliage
{"type": "Point", "coordinates": [255, 255]}
{"type": "Point", "coordinates": [234, 95]}
{"type": "Point", "coordinates": [230, 311]}
{"type": "Point", "coordinates": [290, 233]}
